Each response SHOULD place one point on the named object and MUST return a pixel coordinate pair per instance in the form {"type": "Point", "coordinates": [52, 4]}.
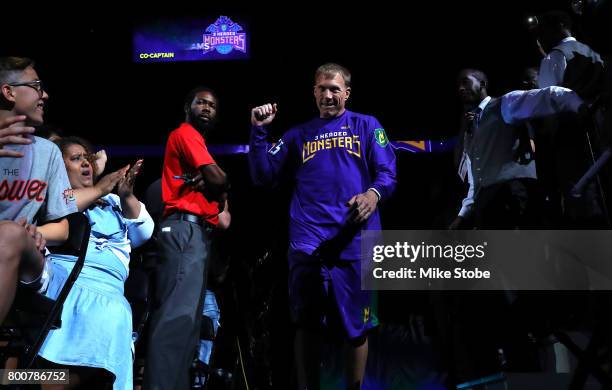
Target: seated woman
{"type": "Point", "coordinates": [95, 339]}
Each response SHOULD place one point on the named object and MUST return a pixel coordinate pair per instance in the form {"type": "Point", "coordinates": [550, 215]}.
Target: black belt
{"type": "Point", "coordinates": [183, 216]}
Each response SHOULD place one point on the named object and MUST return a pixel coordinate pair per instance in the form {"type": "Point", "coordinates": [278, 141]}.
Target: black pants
{"type": "Point", "coordinates": [184, 249]}
{"type": "Point", "coordinates": [509, 205]}
{"type": "Point", "coordinates": [476, 323]}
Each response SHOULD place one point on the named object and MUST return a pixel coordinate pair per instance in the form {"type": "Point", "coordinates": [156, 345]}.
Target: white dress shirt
{"type": "Point", "coordinates": [520, 106]}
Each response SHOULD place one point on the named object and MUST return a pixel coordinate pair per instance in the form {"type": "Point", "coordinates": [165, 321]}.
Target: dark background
{"type": "Point", "coordinates": [404, 60]}
{"type": "Point", "coordinates": [404, 63]}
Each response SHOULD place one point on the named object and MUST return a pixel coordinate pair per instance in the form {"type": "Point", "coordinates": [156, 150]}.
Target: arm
{"type": "Point", "coordinates": [85, 197]}
{"type": "Point", "coordinates": [381, 162]}
{"type": "Point", "coordinates": [10, 133]}
{"type": "Point", "coordinates": [99, 162]}
{"type": "Point", "coordinates": [54, 233]}
{"type": "Point", "coordinates": [265, 163]}
{"type": "Point", "coordinates": [140, 229]}
{"type": "Point", "coordinates": [468, 202]}
{"type": "Point", "coordinates": [32, 265]}
{"type": "Point", "coordinates": [519, 106]}
{"type": "Point", "coordinates": [214, 180]}
{"type": "Point", "coordinates": [467, 205]}
{"type": "Point", "coordinates": [131, 206]}
{"type": "Point", "coordinates": [125, 189]}
{"type": "Point", "coordinates": [225, 218]}
{"type": "Point", "coordinates": [59, 201]}
{"type": "Point", "coordinates": [208, 177]}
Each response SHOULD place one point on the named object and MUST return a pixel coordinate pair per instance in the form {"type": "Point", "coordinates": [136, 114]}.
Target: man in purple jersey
{"type": "Point", "coordinates": [344, 167]}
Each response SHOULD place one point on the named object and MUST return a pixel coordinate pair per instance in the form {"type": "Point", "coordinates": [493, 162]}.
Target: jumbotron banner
{"type": "Point", "coordinates": [220, 38]}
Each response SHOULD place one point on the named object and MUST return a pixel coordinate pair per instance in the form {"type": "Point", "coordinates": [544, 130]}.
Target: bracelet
{"type": "Point", "coordinates": [375, 191]}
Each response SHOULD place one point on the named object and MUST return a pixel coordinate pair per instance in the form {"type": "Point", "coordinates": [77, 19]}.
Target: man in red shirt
{"type": "Point", "coordinates": [193, 186]}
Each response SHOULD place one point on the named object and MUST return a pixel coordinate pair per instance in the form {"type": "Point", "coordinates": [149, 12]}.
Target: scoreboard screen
{"type": "Point", "coordinates": [200, 39]}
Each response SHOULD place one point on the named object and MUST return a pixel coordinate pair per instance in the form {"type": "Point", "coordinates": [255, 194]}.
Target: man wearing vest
{"type": "Point", "coordinates": [595, 16]}
{"type": "Point", "coordinates": [574, 65]}
{"type": "Point", "coordinates": [503, 194]}
{"type": "Point", "coordinates": [500, 171]}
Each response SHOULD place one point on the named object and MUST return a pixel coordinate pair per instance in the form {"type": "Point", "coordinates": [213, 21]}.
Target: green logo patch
{"type": "Point", "coordinates": [381, 137]}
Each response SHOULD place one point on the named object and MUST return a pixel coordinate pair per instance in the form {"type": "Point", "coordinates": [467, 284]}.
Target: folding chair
{"type": "Point", "coordinates": [33, 311]}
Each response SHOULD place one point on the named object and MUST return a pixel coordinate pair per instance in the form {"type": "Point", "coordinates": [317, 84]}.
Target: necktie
{"type": "Point", "coordinates": [475, 121]}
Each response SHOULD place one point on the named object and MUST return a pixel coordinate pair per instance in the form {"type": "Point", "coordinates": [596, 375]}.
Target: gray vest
{"type": "Point", "coordinates": [584, 71]}
{"type": "Point", "coordinates": [493, 148]}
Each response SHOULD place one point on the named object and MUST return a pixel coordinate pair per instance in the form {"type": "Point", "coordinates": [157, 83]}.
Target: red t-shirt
{"type": "Point", "coordinates": [185, 152]}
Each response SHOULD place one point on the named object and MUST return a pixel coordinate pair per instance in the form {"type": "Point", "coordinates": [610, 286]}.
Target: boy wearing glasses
{"type": "Point", "coordinates": [34, 187]}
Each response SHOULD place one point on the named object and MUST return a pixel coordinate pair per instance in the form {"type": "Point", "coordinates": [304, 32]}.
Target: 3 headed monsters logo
{"type": "Point", "coordinates": [224, 36]}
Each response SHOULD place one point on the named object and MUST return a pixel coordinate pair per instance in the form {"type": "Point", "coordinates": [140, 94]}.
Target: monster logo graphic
{"type": "Point", "coordinates": [224, 36]}
{"type": "Point", "coordinates": [331, 140]}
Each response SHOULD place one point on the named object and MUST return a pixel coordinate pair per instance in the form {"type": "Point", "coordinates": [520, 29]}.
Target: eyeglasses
{"type": "Point", "coordinates": [35, 84]}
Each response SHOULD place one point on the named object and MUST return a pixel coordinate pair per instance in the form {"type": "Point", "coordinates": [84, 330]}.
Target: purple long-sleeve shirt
{"type": "Point", "coordinates": [336, 159]}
